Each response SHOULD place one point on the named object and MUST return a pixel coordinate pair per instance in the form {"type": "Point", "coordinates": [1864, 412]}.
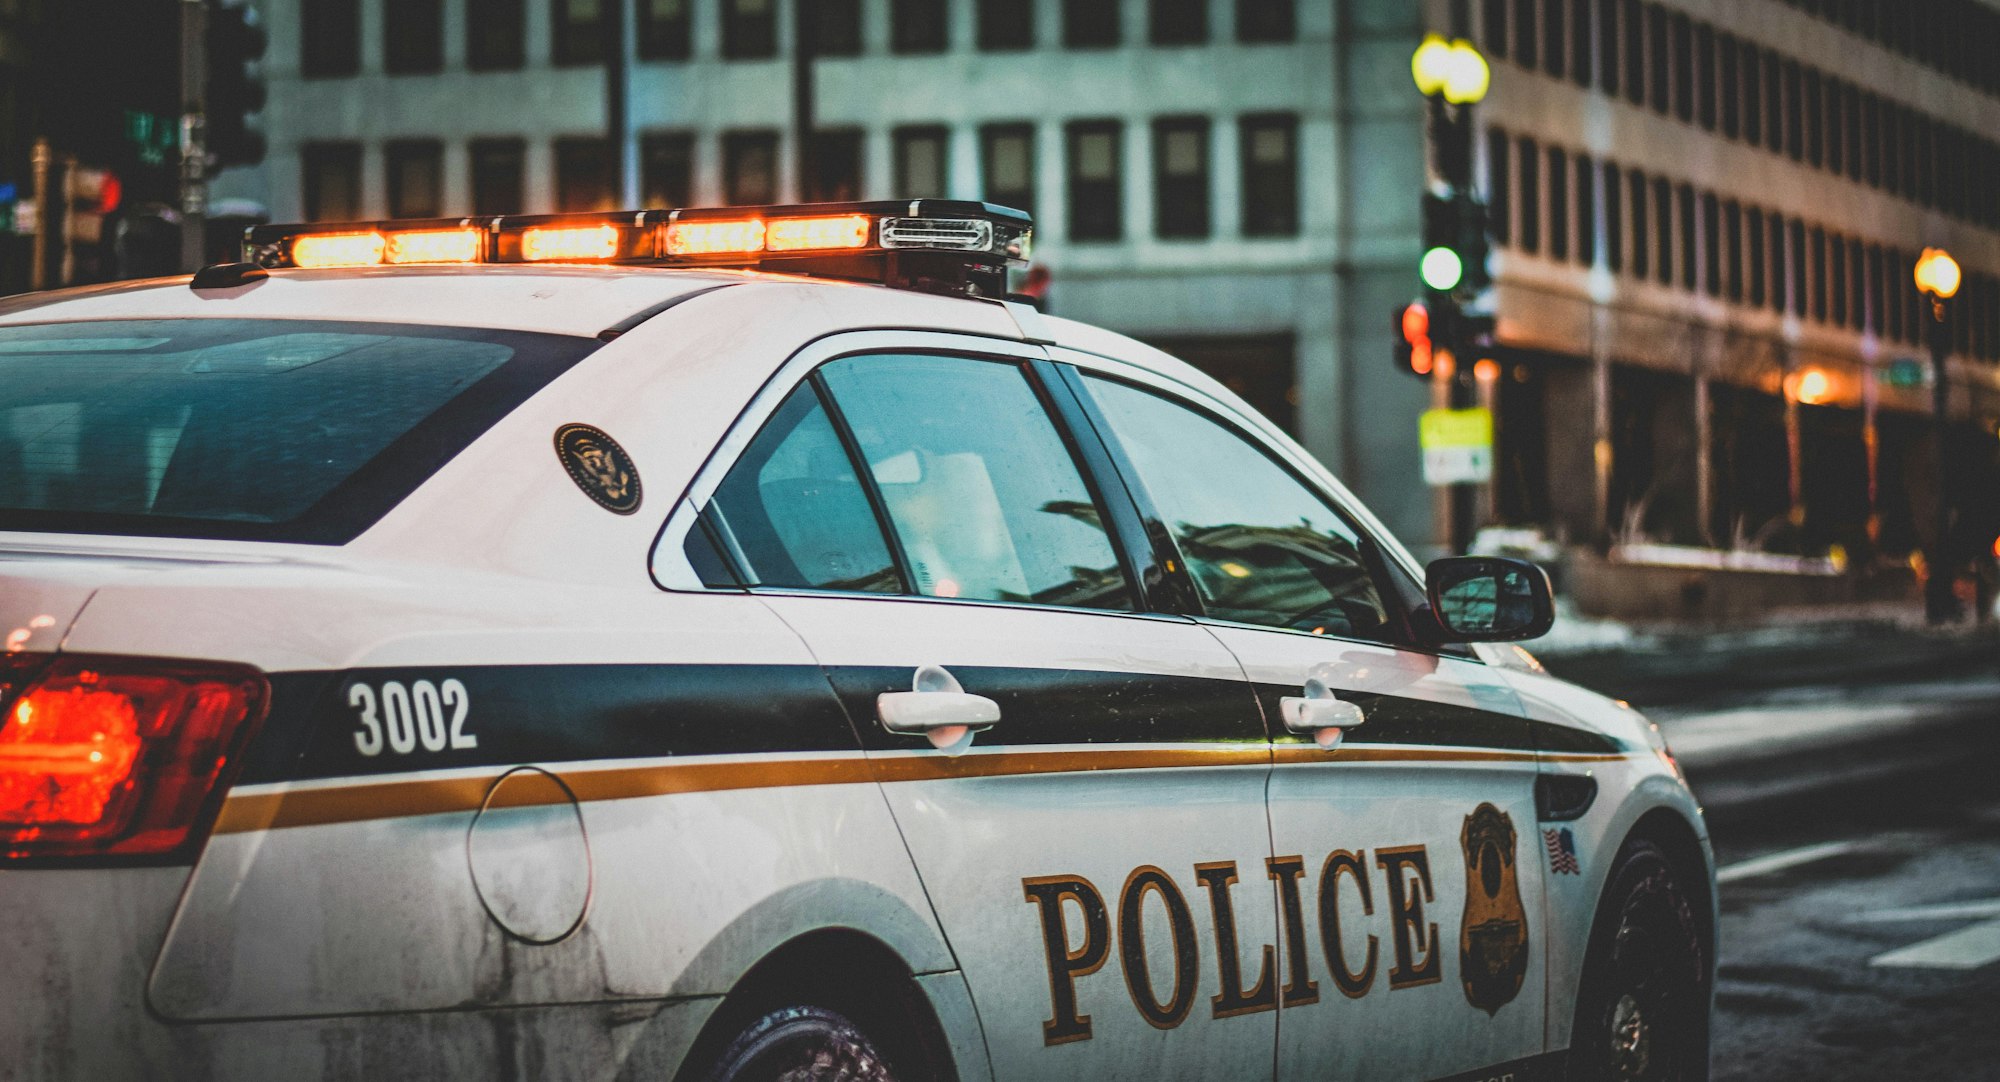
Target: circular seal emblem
{"type": "Point", "coordinates": [599, 467]}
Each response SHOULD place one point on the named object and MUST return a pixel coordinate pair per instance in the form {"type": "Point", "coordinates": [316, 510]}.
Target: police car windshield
{"type": "Point", "coordinates": [282, 430]}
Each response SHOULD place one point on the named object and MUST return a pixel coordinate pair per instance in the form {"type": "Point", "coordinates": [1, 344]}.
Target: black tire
{"type": "Point", "coordinates": [1642, 1002]}
{"type": "Point", "coordinates": [800, 1044]}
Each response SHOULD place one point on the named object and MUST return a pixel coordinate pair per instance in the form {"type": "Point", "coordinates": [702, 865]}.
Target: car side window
{"type": "Point", "coordinates": [985, 499]}
{"type": "Point", "coordinates": [1262, 547]}
{"type": "Point", "coordinates": [795, 512]}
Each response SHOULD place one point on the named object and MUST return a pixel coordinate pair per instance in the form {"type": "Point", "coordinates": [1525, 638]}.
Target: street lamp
{"type": "Point", "coordinates": [1937, 277]}
{"type": "Point", "coordinates": [1453, 70]}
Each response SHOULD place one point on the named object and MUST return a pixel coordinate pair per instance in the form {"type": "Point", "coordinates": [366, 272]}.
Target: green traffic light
{"type": "Point", "coordinates": [1442, 269]}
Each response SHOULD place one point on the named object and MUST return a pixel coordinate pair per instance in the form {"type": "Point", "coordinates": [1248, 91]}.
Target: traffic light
{"type": "Point", "coordinates": [235, 43]}
{"type": "Point", "coordinates": [1412, 323]}
{"type": "Point", "coordinates": [1455, 245]}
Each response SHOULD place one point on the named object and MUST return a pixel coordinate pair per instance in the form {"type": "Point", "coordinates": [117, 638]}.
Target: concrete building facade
{"type": "Point", "coordinates": [1238, 181]}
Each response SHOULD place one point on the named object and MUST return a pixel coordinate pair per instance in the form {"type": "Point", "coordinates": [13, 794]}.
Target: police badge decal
{"type": "Point", "coordinates": [599, 467]}
{"type": "Point", "coordinates": [1493, 940]}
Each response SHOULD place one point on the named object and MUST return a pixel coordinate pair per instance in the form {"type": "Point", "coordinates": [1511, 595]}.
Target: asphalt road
{"type": "Point", "coordinates": [1859, 851]}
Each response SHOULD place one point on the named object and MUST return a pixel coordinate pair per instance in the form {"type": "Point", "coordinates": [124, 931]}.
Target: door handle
{"type": "Point", "coordinates": [1319, 715]}
{"type": "Point", "coordinates": [937, 708]}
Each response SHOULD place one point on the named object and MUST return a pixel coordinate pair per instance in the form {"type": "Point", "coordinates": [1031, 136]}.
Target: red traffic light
{"type": "Point", "coordinates": [1416, 322]}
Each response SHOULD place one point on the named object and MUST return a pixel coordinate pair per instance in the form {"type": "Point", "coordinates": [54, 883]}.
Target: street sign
{"type": "Point", "coordinates": [27, 220]}
{"type": "Point", "coordinates": [1457, 446]}
{"type": "Point", "coordinates": [1906, 372]}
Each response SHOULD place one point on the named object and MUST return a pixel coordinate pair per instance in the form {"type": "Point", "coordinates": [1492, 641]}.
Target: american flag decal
{"type": "Point", "coordinates": [1561, 845]}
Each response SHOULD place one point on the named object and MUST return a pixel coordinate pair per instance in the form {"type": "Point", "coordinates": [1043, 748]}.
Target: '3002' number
{"type": "Point", "coordinates": [404, 717]}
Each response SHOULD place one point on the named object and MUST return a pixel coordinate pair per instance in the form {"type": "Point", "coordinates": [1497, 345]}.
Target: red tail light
{"type": "Point", "coordinates": [114, 756]}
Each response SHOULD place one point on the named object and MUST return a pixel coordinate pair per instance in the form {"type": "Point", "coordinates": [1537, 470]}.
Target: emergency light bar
{"type": "Point", "coordinates": [935, 245]}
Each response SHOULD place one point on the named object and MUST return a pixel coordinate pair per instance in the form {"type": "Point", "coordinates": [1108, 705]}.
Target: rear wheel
{"type": "Point", "coordinates": [800, 1044]}
{"type": "Point", "coordinates": [1642, 1004]}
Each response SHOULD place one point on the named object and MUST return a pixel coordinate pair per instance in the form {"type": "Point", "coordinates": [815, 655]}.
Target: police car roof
{"type": "Point", "coordinates": [550, 298]}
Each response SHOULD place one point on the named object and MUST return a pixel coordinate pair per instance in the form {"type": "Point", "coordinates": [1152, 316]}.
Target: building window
{"type": "Point", "coordinates": [1579, 42]}
{"type": "Point", "coordinates": [1264, 20]}
{"type": "Point", "coordinates": [1096, 180]}
{"type": "Point", "coordinates": [750, 167]}
{"type": "Point", "coordinates": [1814, 115]}
{"type": "Point", "coordinates": [1704, 77]}
{"type": "Point", "coordinates": [1641, 238]}
{"type": "Point", "coordinates": [1774, 102]}
{"type": "Point", "coordinates": [1871, 143]}
{"type": "Point", "coordinates": [1609, 46]}
{"type": "Point", "coordinates": [1816, 256]}
{"type": "Point", "coordinates": [1090, 24]}
{"type": "Point", "coordinates": [495, 34]}
{"type": "Point", "coordinates": [1836, 294]}
{"type": "Point", "coordinates": [1007, 163]}
{"type": "Point", "coordinates": [1553, 50]}
{"type": "Point", "coordinates": [923, 162]}
{"type": "Point", "coordinates": [1630, 22]}
{"type": "Point", "coordinates": [329, 38]}
{"type": "Point", "coordinates": [332, 175]}
{"type": "Point", "coordinates": [415, 178]}
{"type": "Point", "coordinates": [1760, 270]}
{"type": "Point", "coordinates": [579, 31]}
{"type": "Point", "coordinates": [1711, 244]}
{"type": "Point", "coordinates": [749, 29]}
{"type": "Point", "coordinates": [666, 169]}
{"type": "Point", "coordinates": [836, 165]}
{"type": "Point", "coordinates": [1838, 151]}
{"type": "Point", "coordinates": [1795, 248]}
{"type": "Point", "coordinates": [665, 30]}
{"type": "Point", "coordinates": [1586, 211]}
{"type": "Point", "coordinates": [1657, 59]}
{"type": "Point", "coordinates": [413, 37]}
{"type": "Point", "coordinates": [1689, 269]}
{"type": "Point", "coordinates": [1663, 230]}
{"type": "Point", "coordinates": [837, 28]}
{"type": "Point", "coordinates": [1180, 177]}
{"type": "Point", "coordinates": [1527, 34]}
{"type": "Point", "coordinates": [1558, 204]}
{"type": "Point", "coordinates": [917, 26]}
{"type": "Point", "coordinates": [1499, 181]}
{"type": "Point", "coordinates": [1492, 27]}
{"type": "Point", "coordinates": [1683, 75]}
{"type": "Point", "coordinates": [1795, 144]}
{"type": "Point", "coordinates": [1270, 149]}
{"type": "Point", "coordinates": [1614, 219]}
{"type": "Point", "coordinates": [1006, 25]}
{"type": "Point", "coordinates": [1531, 195]}
{"type": "Point", "coordinates": [583, 175]}
{"type": "Point", "coordinates": [497, 165]}
{"type": "Point", "coordinates": [1751, 89]}
{"type": "Point", "coordinates": [1730, 63]}
{"type": "Point", "coordinates": [1177, 22]}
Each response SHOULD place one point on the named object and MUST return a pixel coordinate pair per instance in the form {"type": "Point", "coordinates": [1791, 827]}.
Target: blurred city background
{"type": "Point", "coordinates": [1688, 308]}
{"type": "Point", "coordinates": [1695, 302]}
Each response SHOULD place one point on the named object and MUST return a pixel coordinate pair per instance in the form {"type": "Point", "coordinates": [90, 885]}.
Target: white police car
{"type": "Point", "coordinates": [558, 648]}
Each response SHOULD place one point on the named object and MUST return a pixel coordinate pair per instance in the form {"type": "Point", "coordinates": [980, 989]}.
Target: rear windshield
{"type": "Point", "coordinates": [278, 430]}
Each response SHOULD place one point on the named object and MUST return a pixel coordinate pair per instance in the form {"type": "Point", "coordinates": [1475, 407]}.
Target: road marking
{"type": "Point", "coordinates": [1965, 949]}
{"type": "Point", "coordinates": [1780, 861]}
{"type": "Point", "coordinates": [1975, 910]}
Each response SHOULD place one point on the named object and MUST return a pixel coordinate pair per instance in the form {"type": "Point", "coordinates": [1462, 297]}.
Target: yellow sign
{"type": "Point", "coordinates": [1457, 446]}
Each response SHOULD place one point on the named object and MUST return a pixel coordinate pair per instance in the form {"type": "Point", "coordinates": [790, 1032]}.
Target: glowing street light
{"type": "Point", "coordinates": [1937, 273]}
{"type": "Point", "coordinates": [1453, 69]}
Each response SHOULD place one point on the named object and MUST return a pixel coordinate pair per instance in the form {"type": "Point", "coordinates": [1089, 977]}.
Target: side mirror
{"type": "Point", "coordinates": [1489, 598]}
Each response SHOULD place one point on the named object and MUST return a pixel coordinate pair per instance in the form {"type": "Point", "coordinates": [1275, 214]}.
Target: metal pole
{"type": "Point", "coordinates": [1940, 605]}
{"type": "Point", "coordinates": [66, 235]}
{"type": "Point", "coordinates": [619, 54]}
{"type": "Point", "coordinates": [803, 47]}
{"type": "Point", "coordinates": [38, 247]}
{"type": "Point", "coordinates": [194, 133]}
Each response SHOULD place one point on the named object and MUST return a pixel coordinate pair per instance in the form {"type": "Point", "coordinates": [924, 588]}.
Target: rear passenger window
{"type": "Point", "coordinates": [983, 496]}
{"type": "Point", "coordinates": [795, 512]}
{"type": "Point", "coordinates": [1261, 546]}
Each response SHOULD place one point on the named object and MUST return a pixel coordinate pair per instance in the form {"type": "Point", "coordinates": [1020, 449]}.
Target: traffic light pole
{"type": "Point", "coordinates": [194, 133]}
{"type": "Point", "coordinates": [1940, 602]}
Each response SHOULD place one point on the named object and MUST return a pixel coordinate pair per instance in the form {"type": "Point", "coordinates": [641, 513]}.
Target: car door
{"type": "Point", "coordinates": [1087, 812]}
{"type": "Point", "coordinates": [1402, 797]}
